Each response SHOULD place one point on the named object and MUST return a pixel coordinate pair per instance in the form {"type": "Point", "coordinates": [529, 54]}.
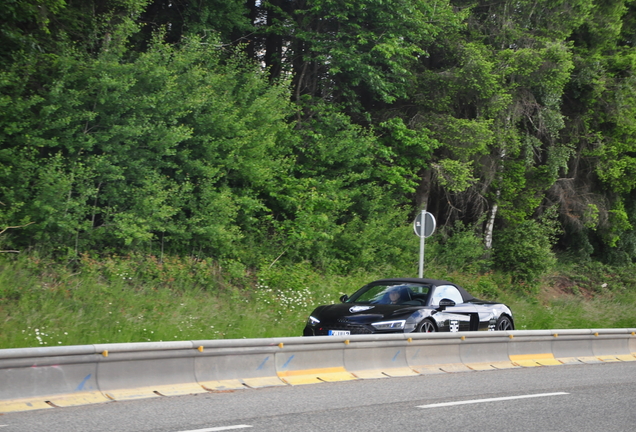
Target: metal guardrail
{"type": "Point", "coordinates": [36, 378]}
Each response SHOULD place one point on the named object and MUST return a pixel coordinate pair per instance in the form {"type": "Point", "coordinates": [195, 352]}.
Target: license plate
{"type": "Point", "coordinates": [339, 332]}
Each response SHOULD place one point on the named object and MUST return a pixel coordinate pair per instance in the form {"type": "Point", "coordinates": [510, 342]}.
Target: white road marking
{"type": "Point", "coordinates": [445, 404]}
{"type": "Point", "coordinates": [221, 428]}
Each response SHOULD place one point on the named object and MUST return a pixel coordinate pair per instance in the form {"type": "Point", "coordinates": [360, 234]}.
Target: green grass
{"type": "Point", "coordinates": [133, 299]}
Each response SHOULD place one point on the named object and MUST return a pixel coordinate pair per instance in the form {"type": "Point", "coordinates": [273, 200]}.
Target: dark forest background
{"type": "Point", "coordinates": [286, 131]}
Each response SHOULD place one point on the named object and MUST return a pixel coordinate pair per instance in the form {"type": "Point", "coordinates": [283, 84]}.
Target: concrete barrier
{"type": "Point", "coordinates": [573, 346]}
{"type": "Point", "coordinates": [35, 378]}
{"type": "Point", "coordinates": [610, 345]}
{"type": "Point", "coordinates": [433, 353]}
{"type": "Point", "coordinates": [485, 350]}
{"type": "Point", "coordinates": [232, 364]}
{"type": "Point", "coordinates": [532, 348]}
{"type": "Point", "coordinates": [377, 356]}
{"type": "Point", "coordinates": [147, 369]}
{"type": "Point", "coordinates": [299, 362]}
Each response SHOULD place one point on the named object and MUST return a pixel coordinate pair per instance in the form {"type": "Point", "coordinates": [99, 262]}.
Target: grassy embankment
{"type": "Point", "coordinates": [141, 299]}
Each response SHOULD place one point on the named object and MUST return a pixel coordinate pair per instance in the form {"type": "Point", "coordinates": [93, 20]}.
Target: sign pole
{"type": "Point", "coordinates": [424, 226]}
{"type": "Point", "coordinates": [422, 237]}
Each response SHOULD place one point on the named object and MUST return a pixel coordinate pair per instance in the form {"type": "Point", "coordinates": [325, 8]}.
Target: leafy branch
{"type": "Point", "coordinates": [13, 227]}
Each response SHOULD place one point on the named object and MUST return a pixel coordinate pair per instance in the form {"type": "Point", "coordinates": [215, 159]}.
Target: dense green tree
{"type": "Point", "coordinates": [596, 193]}
{"type": "Point", "coordinates": [492, 95]}
{"type": "Point", "coordinates": [169, 145]}
{"type": "Point", "coordinates": [313, 131]}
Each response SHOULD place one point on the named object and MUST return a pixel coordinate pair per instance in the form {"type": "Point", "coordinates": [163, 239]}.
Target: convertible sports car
{"type": "Point", "coordinates": [408, 305]}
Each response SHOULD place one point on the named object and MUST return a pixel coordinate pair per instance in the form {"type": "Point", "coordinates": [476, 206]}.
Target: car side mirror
{"type": "Point", "coordinates": [444, 303]}
{"type": "Point", "coordinates": [344, 298]}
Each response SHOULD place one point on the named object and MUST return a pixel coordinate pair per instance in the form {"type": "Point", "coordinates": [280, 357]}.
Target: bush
{"type": "Point", "coordinates": [461, 251]}
{"type": "Point", "coordinates": [525, 251]}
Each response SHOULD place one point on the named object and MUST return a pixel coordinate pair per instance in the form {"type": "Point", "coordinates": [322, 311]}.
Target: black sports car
{"type": "Point", "coordinates": [408, 305]}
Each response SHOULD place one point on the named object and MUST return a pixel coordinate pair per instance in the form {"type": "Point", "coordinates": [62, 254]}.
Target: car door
{"type": "Point", "coordinates": [487, 316]}
{"type": "Point", "coordinates": [460, 317]}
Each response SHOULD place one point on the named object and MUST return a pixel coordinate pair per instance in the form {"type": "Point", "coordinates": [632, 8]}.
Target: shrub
{"type": "Point", "coordinates": [524, 250]}
{"type": "Point", "coordinates": [461, 251]}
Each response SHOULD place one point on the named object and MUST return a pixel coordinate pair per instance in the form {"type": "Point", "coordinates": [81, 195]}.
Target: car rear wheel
{"type": "Point", "coordinates": [504, 323]}
{"type": "Point", "coordinates": [426, 326]}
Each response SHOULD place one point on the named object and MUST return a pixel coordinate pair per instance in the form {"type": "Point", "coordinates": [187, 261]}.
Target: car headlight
{"type": "Point", "coordinates": [312, 320]}
{"type": "Point", "coordinates": [389, 325]}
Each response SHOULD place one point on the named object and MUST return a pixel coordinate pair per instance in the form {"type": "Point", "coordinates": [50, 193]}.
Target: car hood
{"type": "Point", "coordinates": [362, 313]}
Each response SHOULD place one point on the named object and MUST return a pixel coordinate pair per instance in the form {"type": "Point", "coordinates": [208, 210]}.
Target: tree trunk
{"type": "Point", "coordinates": [273, 43]}
{"type": "Point", "coordinates": [491, 224]}
{"type": "Point", "coordinates": [423, 190]}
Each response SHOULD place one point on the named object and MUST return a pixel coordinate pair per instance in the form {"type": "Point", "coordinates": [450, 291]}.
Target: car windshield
{"type": "Point", "coordinates": [381, 294]}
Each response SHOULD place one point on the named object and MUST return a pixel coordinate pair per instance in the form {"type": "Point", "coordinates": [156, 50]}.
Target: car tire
{"type": "Point", "coordinates": [504, 323]}
{"type": "Point", "coordinates": [426, 326]}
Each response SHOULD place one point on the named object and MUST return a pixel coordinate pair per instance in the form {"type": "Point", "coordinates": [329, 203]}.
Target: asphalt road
{"type": "Point", "coordinates": [596, 397]}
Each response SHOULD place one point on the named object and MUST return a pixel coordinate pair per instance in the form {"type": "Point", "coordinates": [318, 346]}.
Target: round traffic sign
{"type": "Point", "coordinates": [424, 224]}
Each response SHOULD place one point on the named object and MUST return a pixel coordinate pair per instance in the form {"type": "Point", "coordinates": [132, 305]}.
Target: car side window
{"type": "Point", "coordinates": [448, 292]}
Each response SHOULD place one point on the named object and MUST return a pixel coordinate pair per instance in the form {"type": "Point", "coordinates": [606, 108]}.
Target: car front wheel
{"type": "Point", "coordinates": [504, 323]}
{"type": "Point", "coordinates": [426, 326]}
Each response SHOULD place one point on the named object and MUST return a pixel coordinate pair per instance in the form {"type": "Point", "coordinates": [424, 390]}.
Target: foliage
{"type": "Point", "coordinates": [142, 298]}
{"type": "Point", "coordinates": [158, 149]}
{"type": "Point", "coordinates": [524, 250]}
{"type": "Point", "coordinates": [460, 249]}
{"type": "Point", "coordinates": [285, 132]}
